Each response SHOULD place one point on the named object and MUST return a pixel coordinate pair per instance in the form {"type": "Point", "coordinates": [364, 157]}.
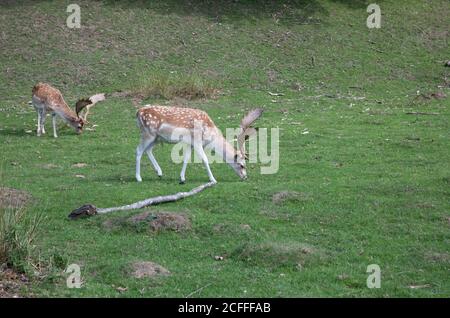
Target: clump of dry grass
{"type": "Point", "coordinates": [170, 86]}
{"type": "Point", "coordinates": [17, 234]}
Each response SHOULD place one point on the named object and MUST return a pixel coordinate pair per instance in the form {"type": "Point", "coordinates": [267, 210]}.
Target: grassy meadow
{"type": "Point", "coordinates": [364, 145]}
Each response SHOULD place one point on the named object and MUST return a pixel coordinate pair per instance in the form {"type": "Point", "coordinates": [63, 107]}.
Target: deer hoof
{"type": "Point", "coordinates": [182, 181]}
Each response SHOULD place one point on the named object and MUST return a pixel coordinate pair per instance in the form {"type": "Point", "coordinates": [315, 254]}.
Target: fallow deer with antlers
{"type": "Point", "coordinates": [47, 99]}
{"type": "Point", "coordinates": [196, 129]}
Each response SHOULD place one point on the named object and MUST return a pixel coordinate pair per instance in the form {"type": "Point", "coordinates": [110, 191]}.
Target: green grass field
{"type": "Point", "coordinates": [372, 181]}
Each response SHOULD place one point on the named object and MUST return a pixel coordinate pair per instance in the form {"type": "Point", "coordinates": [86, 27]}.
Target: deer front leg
{"type": "Point", "coordinates": [187, 157]}
{"type": "Point", "coordinates": [54, 125]}
{"type": "Point", "coordinates": [199, 149]}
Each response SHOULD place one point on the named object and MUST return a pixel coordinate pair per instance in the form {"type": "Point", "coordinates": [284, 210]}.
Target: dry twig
{"type": "Point", "coordinates": [89, 209]}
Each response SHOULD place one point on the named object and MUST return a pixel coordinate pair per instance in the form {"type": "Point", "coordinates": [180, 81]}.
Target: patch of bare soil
{"type": "Point", "coordinates": [163, 221]}
{"type": "Point", "coordinates": [427, 96]}
{"type": "Point", "coordinates": [438, 257]}
{"type": "Point", "coordinates": [230, 228]}
{"type": "Point", "coordinates": [151, 221]}
{"type": "Point", "coordinates": [148, 269]}
{"type": "Point", "coordinates": [136, 97]}
{"type": "Point", "coordinates": [13, 198]}
{"type": "Point", "coordinates": [12, 284]}
{"type": "Point", "coordinates": [49, 166]}
{"type": "Point", "coordinates": [121, 94]}
{"type": "Point", "coordinates": [284, 196]}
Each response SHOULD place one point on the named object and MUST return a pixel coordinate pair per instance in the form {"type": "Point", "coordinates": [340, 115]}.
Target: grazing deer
{"type": "Point", "coordinates": [196, 129]}
{"type": "Point", "coordinates": [46, 99]}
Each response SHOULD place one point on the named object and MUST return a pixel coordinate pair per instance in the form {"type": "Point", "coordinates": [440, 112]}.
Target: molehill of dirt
{"type": "Point", "coordinates": [153, 221]}
{"type": "Point", "coordinates": [148, 269]}
{"type": "Point", "coordinates": [13, 198]}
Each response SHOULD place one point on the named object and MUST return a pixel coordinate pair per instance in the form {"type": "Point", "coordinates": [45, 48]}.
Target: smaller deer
{"type": "Point", "coordinates": [47, 99]}
{"type": "Point", "coordinates": [196, 129]}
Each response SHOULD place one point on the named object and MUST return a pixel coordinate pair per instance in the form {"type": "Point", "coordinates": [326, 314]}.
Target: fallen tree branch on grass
{"type": "Point", "coordinates": [89, 209]}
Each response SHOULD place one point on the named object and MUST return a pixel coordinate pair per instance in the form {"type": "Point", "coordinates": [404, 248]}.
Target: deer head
{"type": "Point", "coordinates": [245, 131]}
{"type": "Point", "coordinates": [78, 124]}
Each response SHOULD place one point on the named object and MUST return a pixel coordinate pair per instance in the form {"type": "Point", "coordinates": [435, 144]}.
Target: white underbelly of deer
{"type": "Point", "coordinates": [171, 134]}
{"type": "Point", "coordinates": [195, 128]}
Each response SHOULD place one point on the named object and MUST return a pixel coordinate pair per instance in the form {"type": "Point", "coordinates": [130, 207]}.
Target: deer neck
{"type": "Point", "coordinates": [226, 150]}
{"type": "Point", "coordinates": [67, 114]}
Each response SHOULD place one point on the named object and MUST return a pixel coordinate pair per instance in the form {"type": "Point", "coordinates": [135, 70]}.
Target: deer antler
{"type": "Point", "coordinates": [82, 103]}
{"type": "Point", "coordinates": [88, 102]}
{"type": "Point", "coordinates": [246, 130]}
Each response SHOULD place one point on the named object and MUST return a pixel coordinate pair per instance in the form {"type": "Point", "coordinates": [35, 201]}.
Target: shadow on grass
{"type": "Point", "coordinates": [165, 180]}
{"type": "Point", "coordinates": [15, 132]}
{"type": "Point", "coordinates": [284, 12]}
{"type": "Point", "coordinates": [20, 3]}
{"type": "Point", "coordinates": [356, 4]}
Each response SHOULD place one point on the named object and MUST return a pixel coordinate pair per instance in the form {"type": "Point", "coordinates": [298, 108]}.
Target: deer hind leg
{"type": "Point", "coordinates": [38, 107]}
{"type": "Point", "coordinates": [187, 157]}
{"type": "Point", "coordinates": [143, 145]}
{"type": "Point", "coordinates": [54, 125]}
{"type": "Point", "coordinates": [42, 118]}
{"type": "Point", "coordinates": [199, 150]}
{"type": "Point", "coordinates": [152, 158]}
{"type": "Point", "coordinates": [38, 132]}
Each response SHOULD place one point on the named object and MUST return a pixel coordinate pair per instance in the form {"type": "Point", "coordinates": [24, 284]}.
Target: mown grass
{"type": "Point", "coordinates": [372, 180]}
